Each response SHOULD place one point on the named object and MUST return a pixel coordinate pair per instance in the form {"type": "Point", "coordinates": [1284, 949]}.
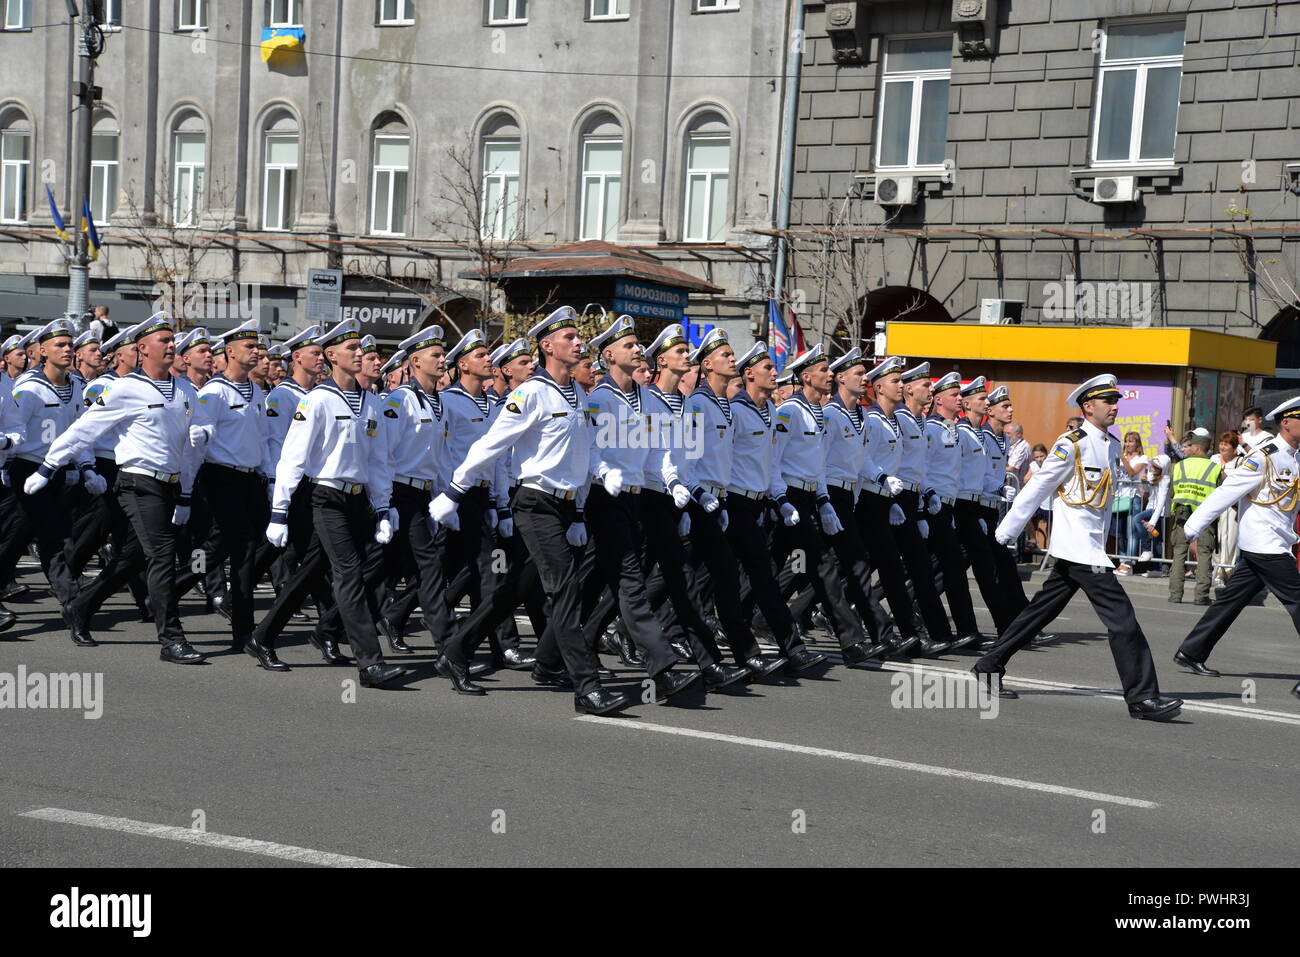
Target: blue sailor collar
{"type": "Point", "coordinates": [329, 385]}
{"type": "Point", "coordinates": [541, 375]}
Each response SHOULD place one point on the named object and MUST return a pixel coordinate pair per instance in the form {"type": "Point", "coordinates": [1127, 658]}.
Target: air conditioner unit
{"type": "Point", "coordinates": [1001, 312]}
{"type": "Point", "coordinates": [1116, 189]}
{"type": "Point", "coordinates": [896, 190]}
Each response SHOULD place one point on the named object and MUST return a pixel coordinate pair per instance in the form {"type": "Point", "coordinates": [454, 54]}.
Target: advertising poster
{"type": "Point", "coordinates": [1205, 399]}
{"type": "Point", "coordinates": [1146, 407]}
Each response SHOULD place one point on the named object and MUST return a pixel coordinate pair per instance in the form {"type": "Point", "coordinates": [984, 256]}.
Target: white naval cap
{"type": "Point", "coordinates": [308, 337]}
{"type": "Point", "coordinates": [398, 358]}
{"type": "Point", "coordinates": [886, 366]}
{"type": "Point", "coordinates": [85, 339]}
{"type": "Point", "coordinates": [12, 343]}
{"type": "Point", "coordinates": [509, 351]}
{"type": "Point", "coordinates": [785, 378]}
{"type": "Point", "coordinates": [917, 373]}
{"type": "Point", "coordinates": [974, 387]}
{"type": "Point", "coordinates": [342, 332]}
{"type": "Point", "coordinates": [193, 338]}
{"type": "Point", "coordinates": [369, 344]}
{"type": "Point", "coordinates": [850, 359]}
{"type": "Point", "coordinates": [806, 360]}
{"type": "Point", "coordinates": [27, 338]}
{"type": "Point", "coordinates": [121, 338]}
{"type": "Point", "coordinates": [756, 354]}
{"type": "Point", "coordinates": [426, 338]}
{"type": "Point", "coordinates": [563, 318]}
{"type": "Point", "coordinates": [1104, 386]}
{"type": "Point", "coordinates": [715, 338]}
{"type": "Point", "coordinates": [1288, 409]}
{"type": "Point", "coordinates": [999, 395]}
{"type": "Point", "coordinates": [158, 322]}
{"type": "Point", "coordinates": [950, 380]}
{"type": "Point", "coordinates": [468, 343]}
{"type": "Point", "coordinates": [620, 328]}
{"type": "Point", "coordinates": [252, 329]}
{"type": "Point", "coordinates": [671, 335]}
{"type": "Point", "coordinates": [277, 352]}
{"type": "Point", "coordinates": [55, 329]}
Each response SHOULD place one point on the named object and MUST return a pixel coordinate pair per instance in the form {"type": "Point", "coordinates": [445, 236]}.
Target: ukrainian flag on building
{"type": "Point", "coordinates": [282, 42]}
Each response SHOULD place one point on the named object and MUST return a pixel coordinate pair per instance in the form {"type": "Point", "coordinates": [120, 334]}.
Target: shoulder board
{"type": "Point", "coordinates": [1268, 448]}
{"type": "Point", "coordinates": [1077, 435]}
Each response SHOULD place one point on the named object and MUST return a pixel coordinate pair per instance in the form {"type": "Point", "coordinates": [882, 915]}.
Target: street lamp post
{"type": "Point", "coordinates": [90, 43]}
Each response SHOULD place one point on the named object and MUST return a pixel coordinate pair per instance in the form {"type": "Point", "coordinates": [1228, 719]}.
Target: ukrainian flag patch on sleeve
{"type": "Point", "coordinates": [1061, 452]}
{"type": "Point", "coordinates": [1251, 464]}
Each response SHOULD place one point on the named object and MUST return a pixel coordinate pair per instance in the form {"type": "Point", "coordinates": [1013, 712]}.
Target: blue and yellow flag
{"type": "Point", "coordinates": [88, 227]}
{"type": "Point", "coordinates": [60, 226]}
{"type": "Point", "coordinates": [281, 40]}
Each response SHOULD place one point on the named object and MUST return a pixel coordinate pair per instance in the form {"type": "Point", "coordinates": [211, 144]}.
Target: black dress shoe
{"type": "Point", "coordinates": [903, 645]}
{"type": "Point", "coordinates": [552, 679]}
{"type": "Point", "coordinates": [7, 618]}
{"type": "Point", "coordinates": [146, 616]}
{"type": "Point", "coordinates": [381, 674]}
{"type": "Point", "coordinates": [628, 654]}
{"type": "Point", "coordinates": [605, 674]}
{"type": "Point", "coordinates": [600, 701]}
{"type": "Point", "coordinates": [222, 605]}
{"type": "Point", "coordinates": [395, 642]}
{"type": "Point", "coordinates": [1195, 667]}
{"type": "Point", "coordinates": [760, 667]}
{"type": "Point", "coordinates": [479, 668]}
{"type": "Point", "coordinates": [682, 652]}
{"type": "Point", "coordinates": [1175, 601]}
{"type": "Point", "coordinates": [1156, 709]}
{"type": "Point", "coordinates": [329, 650]}
{"type": "Point", "coordinates": [859, 654]}
{"type": "Point", "coordinates": [459, 677]}
{"type": "Point", "coordinates": [669, 683]}
{"type": "Point", "coordinates": [15, 590]}
{"type": "Point", "coordinates": [928, 647]}
{"type": "Point", "coordinates": [718, 676]}
{"type": "Point", "coordinates": [81, 638]}
{"type": "Point", "coordinates": [300, 615]}
{"type": "Point", "coordinates": [1041, 639]}
{"type": "Point", "coordinates": [991, 684]}
{"type": "Point", "coordinates": [516, 660]}
{"type": "Point", "coordinates": [237, 642]}
{"type": "Point", "coordinates": [180, 653]}
{"type": "Point", "coordinates": [266, 657]}
{"type": "Point", "coordinates": [973, 638]}
{"type": "Point", "coordinates": [799, 661]}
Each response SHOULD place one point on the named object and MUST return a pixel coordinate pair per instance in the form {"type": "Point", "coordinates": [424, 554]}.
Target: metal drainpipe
{"type": "Point", "coordinates": [794, 64]}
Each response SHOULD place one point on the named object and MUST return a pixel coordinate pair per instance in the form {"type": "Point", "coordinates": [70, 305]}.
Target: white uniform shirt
{"type": "Point", "coordinates": [327, 441]}
{"type": "Point", "coordinates": [995, 452]}
{"type": "Point", "coordinates": [884, 449]}
{"type": "Point", "coordinates": [465, 421]}
{"type": "Point", "coordinates": [628, 434]}
{"type": "Point", "coordinates": [846, 442]}
{"type": "Point", "coordinates": [800, 455]}
{"type": "Point", "coordinates": [1078, 531]}
{"type": "Point", "coordinates": [942, 456]}
{"type": "Point", "coordinates": [1270, 472]}
{"type": "Point", "coordinates": [106, 444]}
{"type": "Point", "coordinates": [911, 463]}
{"type": "Point", "coordinates": [36, 414]}
{"type": "Point", "coordinates": [711, 419]}
{"type": "Point", "coordinates": [753, 441]}
{"type": "Point", "coordinates": [974, 459]}
{"type": "Point", "coordinates": [416, 439]}
{"type": "Point", "coordinates": [235, 426]}
{"type": "Point", "coordinates": [281, 402]}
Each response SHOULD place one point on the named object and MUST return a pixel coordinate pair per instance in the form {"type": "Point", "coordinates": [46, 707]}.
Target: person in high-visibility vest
{"type": "Point", "coordinates": [1191, 480]}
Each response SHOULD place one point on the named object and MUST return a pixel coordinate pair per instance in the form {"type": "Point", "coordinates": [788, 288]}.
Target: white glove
{"type": "Point", "coordinates": [506, 527]}
{"type": "Point", "coordinates": [443, 511]}
{"type": "Point", "coordinates": [723, 520]}
{"type": "Point", "coordinates": [934, 505]}
{"type": "Point", "coordinates": [1008, 494]}
{"type": "Point", "coordinates": [892, 485]}
{"type": "Point", "coordinates": [789, 514]}
{"type": "Point", "coordinates": [830, 521]}
{"type": "Point", "coordinates": [35, 482]}
{"type": "Point", "coordinates": [1004, 537]}
{"type": "Point", "coordinates": [983, 527]}
{"type": "Point", "coordinates": [896, 516]}
{"type": "Point", "coordinates": [198, 436]}
{"type": "Point", "coordinates": [490, 516]}
{"type": "Point", "coordinates": [95, 483]}
{"type": "Point", "coordinates": [923, 527]}
{"type": "Point", "coordinates": [709, 502]}
{"type": "Point", "coordinates": [684, 525]}
{"type": "Point", "coordinates": [576, 534]}
{"type": "Point", "coordinates": [180, 515]}
{"type": "Point", "coordinates": [613, 481]}
{"type": "Point", "coordinates": [681, 495]}
{"type": "Point", "coordinates": [383, 530]}
{"type": "Point", "coordinates": [277, 533]}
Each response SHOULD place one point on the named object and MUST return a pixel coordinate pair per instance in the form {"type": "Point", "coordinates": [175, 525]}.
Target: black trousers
{"type": "Point", "coordinates": [1010, 588]}
{"type": "Point", "coordinates": [945, 546]}
{"type": "Point", "coordinates": [45, 518]}
{"type": "Point", "coordinates": [819, 561]}
{"type": "Point", "coordinates": [236, 503]}
{"type": "Point", "coordinates": [343, 544]}
{"type": "Point", "coordinates": [542, 519]}
{"type": "Point", "coordinates": [521, 582]}
{"type": "Point", "coordinates": [1128, 645]}
{"type": "Point", "coordinates": [201, 536]}
{"type": "Point", "coordinates": [415, 554]}
{"type": "Point", "coordinates": [887, 544]}
{"type": "Point", "coordinates": [282, 562]}
{"type": "Point", "coordinates": [748, 550]}
{"type": "Point", "coordinates": [979, 554]}
{"type": "Point", "coordinates": [97, 520]}
{"type": "Point", "coordinates": [1252, 571]}
{"type": "Point", "coordinates": [151, 546]}
{"type": "Point", "coordinates": [855, 562]}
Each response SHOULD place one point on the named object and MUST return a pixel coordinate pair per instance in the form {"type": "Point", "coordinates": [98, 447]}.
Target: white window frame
{"type": "Point", "coordinates": [613, 5]}
{"type": "Point", "coordinates": [405, 14]}
{"type": "Point", "coordinates": [21, 169]}
{"type": "Point", "coordinates": [499, 228]}
{"type": "Point", "coordinates": [716, 6]}
{"type": "Point", "coordinates": [112, 15]}
{"type": "Point", "coordinates": [18, 15]}
{"type": "Point", "coordinates": [196, 191]}
{"type": "Point", "coordinates": [375, 170]}
{"type": "Point", "coordinates": [710, 175]}
{"type": "Point", "coordinates": [604, 179]}
{"type": "Point", "coordinates": [104, 204]}
{"type": "Point", "coordinates": [917, 79]}
{"type": "Point", "coordinates": [1143, 65]}
{"type": "Point", "coordinates": [293, 14]}
{"type": "Point", "coordinates": [288, 205]}
{"type": "Point", "coordinates": [200, 21]}
{"type": "Point", "coordinates": [516, 8]}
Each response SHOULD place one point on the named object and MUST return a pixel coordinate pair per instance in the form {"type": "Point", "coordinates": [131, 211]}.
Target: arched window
{"type": "Point", "coordinates": [104, 145]}
{"type": "Point", "coordinates": [390, 171]}
{"type": "Point", "coordinates": [708, 178]}
{"type": "Point", "coordinates": [15, 165]}
{"type": "Point", "coordinates": [501, 164]}
{"type": "Point", "coordinates": [189, 164]}
{"type": "Point", "coordinates": [279, 172]}
{"type": "Point", "coordinates": [602, 179]}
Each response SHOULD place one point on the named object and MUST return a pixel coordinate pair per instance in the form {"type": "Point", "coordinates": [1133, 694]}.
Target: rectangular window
{"type": "Point", "coordinates": [392, 168]}
{"type": "Point", "coordinates": [278, 189]}
{"type": "Point", "coordinates": [602, 187]}
{"type": "Point", "coordinates": [507, 11]}
{"type": "Point", "coordinates": [13, 176]}
{"type": "Point", "coordinates": [112, 13]}
{"type": "Point", "coordinates": [708, 171]}
{"type": "Point", "coordinates": [190, 154]}
{"type": "Point", "coordinates": [609, 9]}
{"type": "Point", "coordinates": [501, 188]}
{"type": "Point", "coordinates": [17, 14]}
{"type": "Point", "coordinates": [712, 6]}
{"type": "Point", "coordinates": [103, 176]}
{"type": "Point", "coordinates": [286, 13]}
{"type": "Point", "coordinates": [912, 132]}
{"type": "Point", "coordinates": [191, 14]}
{"type": "Point", "coordinates": [395, 13]}
{"type": "Point", "coordinates": [1139, 75]}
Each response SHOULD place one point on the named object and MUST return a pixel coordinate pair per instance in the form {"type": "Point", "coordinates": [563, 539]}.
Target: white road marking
{"type": "Point", "coordinates": [225, 842]}
{"type": "Point", "coordinates": [871, 759]}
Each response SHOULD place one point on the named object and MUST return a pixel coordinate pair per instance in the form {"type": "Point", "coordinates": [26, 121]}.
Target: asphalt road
{"type": "Point", "coordinates": [280, 769]}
